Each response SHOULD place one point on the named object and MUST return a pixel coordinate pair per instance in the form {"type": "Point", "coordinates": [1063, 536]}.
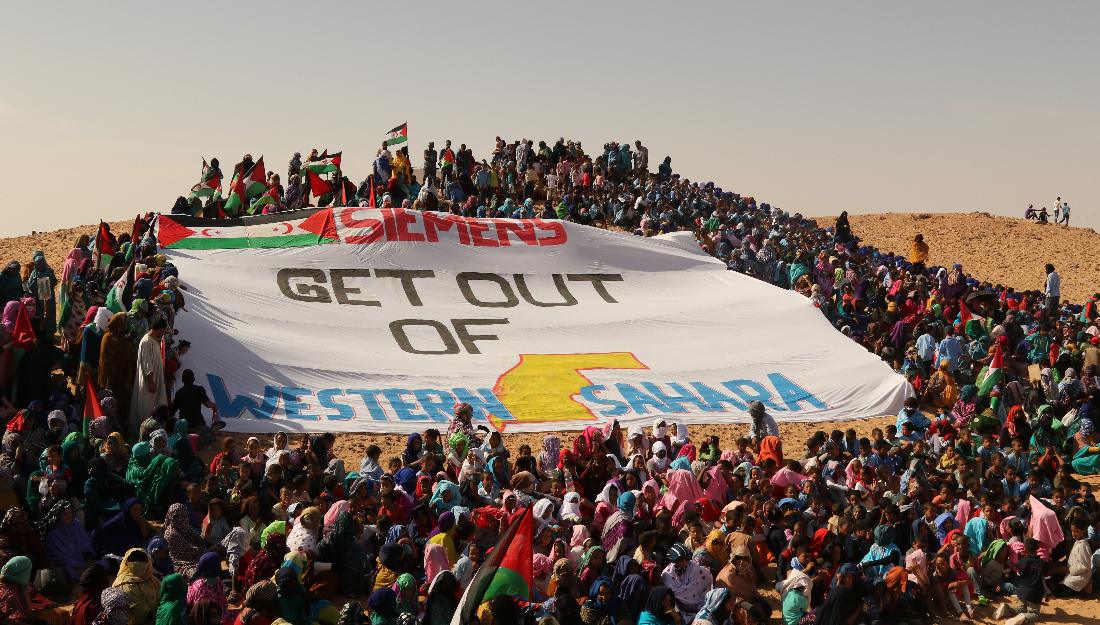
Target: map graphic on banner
{"type": "Point", "coordinates": [381, 320]}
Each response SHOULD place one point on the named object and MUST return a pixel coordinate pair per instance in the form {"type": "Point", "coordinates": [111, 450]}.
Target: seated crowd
{"type": "Point", "coordinates": [972, 496]}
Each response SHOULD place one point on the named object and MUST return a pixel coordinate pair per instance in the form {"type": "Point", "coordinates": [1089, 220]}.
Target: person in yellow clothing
{"type": "Point", "coordinates": [446, 536]}
{"type": "Point", "coordinates": [918, 254]}
{"type": "Point", "coordinates": [942, 391]}
{"type": "Point", "coordinates": [401, 164]}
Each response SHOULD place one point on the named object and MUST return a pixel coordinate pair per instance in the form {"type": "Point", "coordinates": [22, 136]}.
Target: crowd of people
{"type": "Point", "coordinates": [972, 496]}
{"type": "Point", "coordinates": [1061, 213]}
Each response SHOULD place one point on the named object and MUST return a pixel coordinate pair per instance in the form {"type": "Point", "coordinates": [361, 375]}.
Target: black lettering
{"type": "Point", "coordinates": [406, 276]}
{"type": "Point", "coordinates": [597, 280]}
{"type": "Point", "coordinates": [304, 292]}
{"type": "Point", "coordinates": [469, 340]}
{"type": "Point", "coordinates": [525, 293]}
{"type": "Point", "coordinates": [397, 329]}
{"type": "Point", "coordinates": [466, 277]}
{"type": "Point", "coordinates": [341, 290]}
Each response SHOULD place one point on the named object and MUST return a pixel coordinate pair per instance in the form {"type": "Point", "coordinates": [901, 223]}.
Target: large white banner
{"type": "Point", "coordinates": [379, 320]}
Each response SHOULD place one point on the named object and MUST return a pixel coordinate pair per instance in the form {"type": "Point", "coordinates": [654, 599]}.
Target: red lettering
{"type": "Point", "coordinates": [524, 230]}
{"type": "Point", "coordinates": [434, 223]}
{"type": "Point", "coordinates": [476, 230]}
{"type": "Point", "coordinates": [388, 224]}
{"type": "Point", "coordinates": [559, 237]}
{"type": "Point", "coordinates": [372, 226]}
{"type": "Point", "coordinates": [404, 219]}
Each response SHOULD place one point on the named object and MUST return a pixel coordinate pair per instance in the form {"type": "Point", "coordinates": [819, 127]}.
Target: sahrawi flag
{"type": "Point", "coordinates": [398, 135]}
{"type": "Point", "coordinates": [992, 373]}
{"type": "Point", "coordinates": [506, 573]}
{"type": "Point", "coordinates": [209, 183]}
{"type": "Point", "coordinates": [324, 164]}
{"type": "Point", "coordinates": [242, 190]}
{"type": "Point", "coordinates": [267, 232]}
{"type": "Point", "coordinates": [104, 246]}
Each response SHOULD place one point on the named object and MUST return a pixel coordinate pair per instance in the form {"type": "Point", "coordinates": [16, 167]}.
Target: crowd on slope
{"type": "Point", "coordinates": [972, 499]}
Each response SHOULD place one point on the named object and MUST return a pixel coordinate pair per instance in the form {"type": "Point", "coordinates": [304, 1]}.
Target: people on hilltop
{"type": "Point", "coordinates": [969, 504]}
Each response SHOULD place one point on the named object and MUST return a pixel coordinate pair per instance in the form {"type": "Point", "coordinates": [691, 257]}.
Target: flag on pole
{"type": "Point", "coordinates": [255, 181]}
{"type": "Point", "coordinates": [318, 186]}
{"type": "Point", "coordinates": [325, 164]}
{"type": "Point", "coordinates": [991, 374]}
{"type": "Point", "coordinates": [506, 572]}
{"type": "Point", "coordinates": [271, 196]}
{"type": "Point", "coordinates": [237, 199]}
{"type": "Point", "coordinates": [209, 183]}
{"type": "Point", "coordinates": [104, 245]}
{"type": "Point", "coordinates": [92, 409]}
{"type": "Point", "coordinates": [399, 134]}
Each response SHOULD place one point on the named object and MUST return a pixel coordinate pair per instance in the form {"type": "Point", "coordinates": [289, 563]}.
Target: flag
{"type": "Point", "coordinates": [271, 196]}
{"type": "Point", "coordinates": [208, 184]}
{"type": "Point", "coordinates": [299, 229]}
{"type": "Point", "coordinates": [237, 198]}
{"type": "Point", "coordinates": [373, 199]}
{"type": "Point", "coordinates": [92, 409]}
{"type": "Point", "coordinates": [399, 134]}
{"type": "Point", "coordinates": [318, 186]}
{"type": "Point", "coordinates": [104, 245]}
{"type": "Point", "coordinates": [22, 335]}
{"type": "Point", "coordinates": [964, 313]}
{"type": "Point", "coordinates": [506, 572]}
{"type": "Point", "coordinates": [255, 181]}
{"type": "Point", "coordinates": [991, 374]}
{"type": "Point", "coordinates": [326, 163]}
{"type": "Point", "coordinates": [135, 237]}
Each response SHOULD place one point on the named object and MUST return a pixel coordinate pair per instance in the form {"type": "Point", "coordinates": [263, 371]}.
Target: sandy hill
{"type": "Point", "coordinates": [1001, 250]}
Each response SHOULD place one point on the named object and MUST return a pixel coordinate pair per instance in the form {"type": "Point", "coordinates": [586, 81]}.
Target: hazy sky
{"type": "Point", "coordinates": [107, 109]}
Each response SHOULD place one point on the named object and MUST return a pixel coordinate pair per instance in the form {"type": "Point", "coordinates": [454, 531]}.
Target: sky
{"type": "Point", "coordinates": [107, 109]}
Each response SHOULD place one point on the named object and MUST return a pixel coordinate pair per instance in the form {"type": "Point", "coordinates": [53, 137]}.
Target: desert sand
{"type": "Point", "coordinates": [1000, 250]}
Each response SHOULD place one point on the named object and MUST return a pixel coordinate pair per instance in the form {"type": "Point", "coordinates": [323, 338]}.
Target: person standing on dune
{"type": "Point", "coordinates": [918, 254]}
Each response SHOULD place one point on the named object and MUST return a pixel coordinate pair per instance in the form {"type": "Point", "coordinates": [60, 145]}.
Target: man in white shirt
{"type": "Point", "coordinates": [1053, 289]}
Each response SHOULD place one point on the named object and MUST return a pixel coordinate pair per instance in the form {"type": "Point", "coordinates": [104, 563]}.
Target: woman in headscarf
{"type": "Point", "coordinates": [116, 607]}
{"type": "Point", "coordinates": [185, 544]}
{"type": "Point", "coordinates": [135, 578]}
{"type": "Point", "coordinates": [342, 549]}
{"type": "Point", "coordinates": [599, 608]}
{"type": "Point", "coordinates": [293, 603]}
{"type": "Point", "coordinates": [593, 565]}
{"type": "Point", "coordinates": [941, 390]}
{"type": "Point", "coordinates": [770, 447]}
{"type": "Point", "coordinates": [883, 554]}
{"type": "Point", "coordinates": [844, 601]}
{"type": "Point", "coordinates": [16, 606]}
{"type": "Point", "coordinates": [93, 581]}
{"type": "Point", "coordinates": [154, 482]}
{"type": "Point", "coordinates": [67, 544]}
{"type": "Point", "coordinates": [391, 563]}
{"type": "Point", "coordinates": [124, 531]}
{"type": "Point", "coordinates": [659, 607]}
{"type": "Point", "coordinates": [303, 536]}
{"type": "Point", "coordinates": [159, 556]}
{"type": "Point", "coordinates": [191, 466]}
{"type": "Point", "coordinates": [442, 599]}
{"type": "Point", "coordinates": [717, 608]}
{"type": "Point", "coordinates": [206, 584]}
{"type": "Point", "coordinates": [172, 609]}
{"type": "Point", "coordinates": [382, 605]}
{"type": "Point", "coordinates": [41, 283]}
{"type": "Point", "coordinates": [618, 534]}
{"type": "Point", "coordinates": [267, 561]}
{"type": "Point", "coordinates": [261, 604]}
{"type": "Point", "coordinates": [115, 453]}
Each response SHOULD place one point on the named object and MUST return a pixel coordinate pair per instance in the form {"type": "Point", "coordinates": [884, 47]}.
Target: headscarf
{"type": "Point", "coordinates": [435, 560]}
{"type": "Point", "coordinates": [120, 533]}
{"type": "Point", "coordinates": [173, 601]}
{"type": "Point", "coordinates": [88, 606]}
{"type": "Point", "coordinates": [551, 451]}
{"type": "Point", "coordinates": [184, 544]}
{"type": "Point", "coordinates": [17, 570]}
{"type": "Point", "coordinates": [136, 579]}
{"type": "Point", "coordinates": [594, 595]}
{"type": "Point", "coordinates": [267, 561]}
{"type": "Point", "coordinates": [977, 530]}
{"type": "Point", "coordinates": [1044, 526]}
{"type": "Point", "coordinates": [382, 603]}
{"type": "Point", "coordinates": [712, 601]}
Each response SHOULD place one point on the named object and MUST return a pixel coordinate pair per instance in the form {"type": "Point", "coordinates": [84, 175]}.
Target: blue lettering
{"type": "Point", "coordinates": [715, 399]}
{"type": "Point", "coordinates": [370, 398]}
{"type": "Point", "coordinates": [405, 411]}
{"type": "Point", "coordinates": [676, 401]}
{"type": "Point", "coordinates": [292, 407]}
{"type": "Point", "coordinates": [483, 402]}
{"type": "Point", "coordinates": [751, 390]}
{"type": "Point", "coordinates": [437, 404]}
{"type": "Point", "coordinates": [232, 408]}
{"type": "Point", "coordinates": [617, 408]}
{"type": "Point", "coordinates": [638, 400]}
{"type": "Point", "coordinates": [327, 399]}
{"type": "Point", "coordinates": [793, 394]}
